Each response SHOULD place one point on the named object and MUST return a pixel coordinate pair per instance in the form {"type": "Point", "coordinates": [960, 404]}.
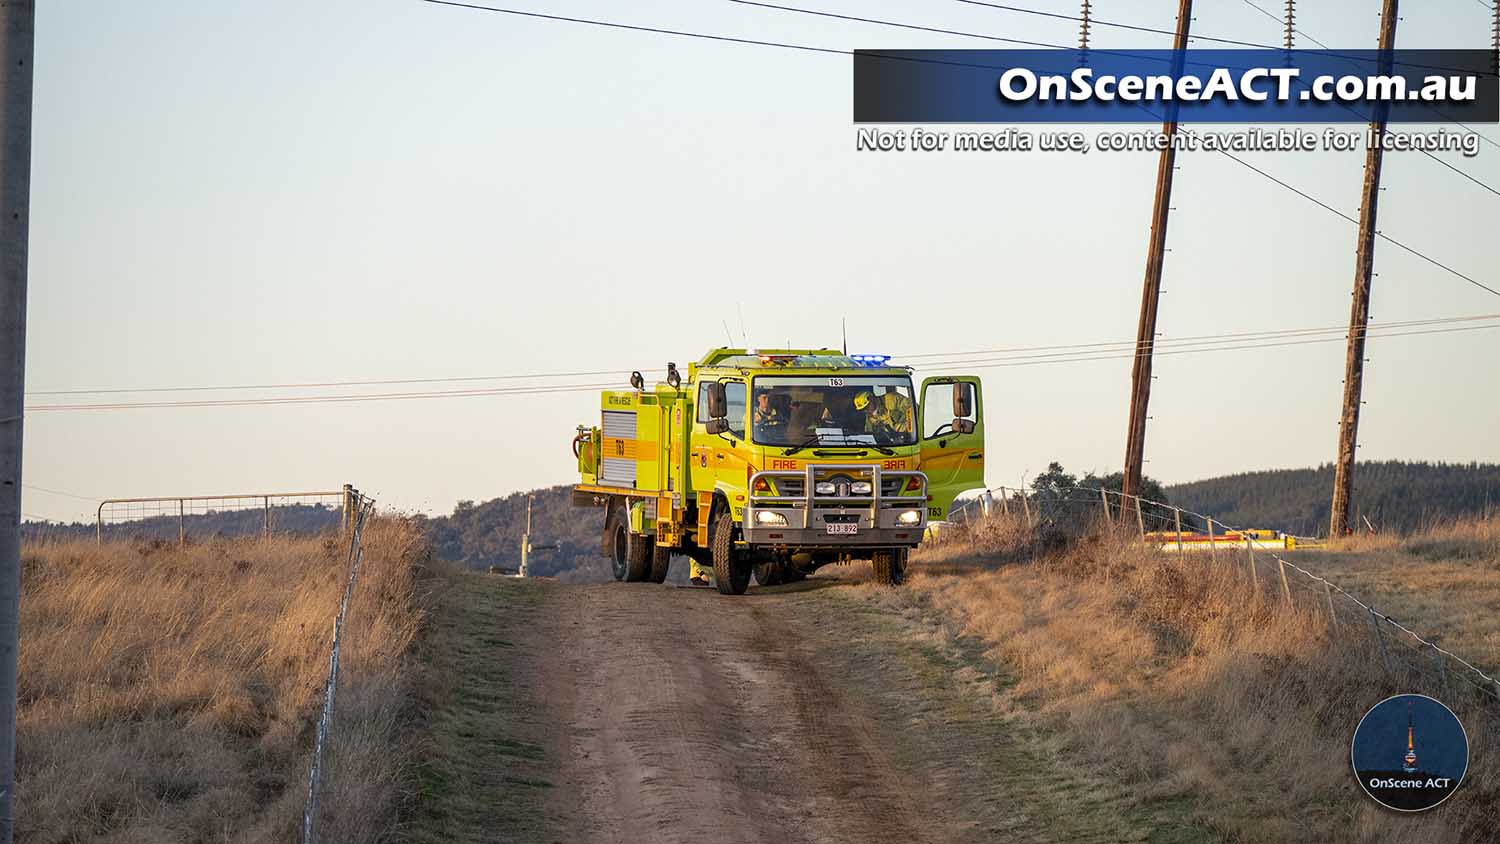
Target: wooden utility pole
{"type": "Point", "coordinates": [1359, 311]}
{"type": "Point", "coordinates": [1145, 335]}
{"type": "Point", "coordinates": [17, 28]}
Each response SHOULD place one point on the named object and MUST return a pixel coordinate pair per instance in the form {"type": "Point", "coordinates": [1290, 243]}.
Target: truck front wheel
{"type": "Point", "coordinates": [890, 566]}
{"type": "Point", "coordinates": [731, 573]}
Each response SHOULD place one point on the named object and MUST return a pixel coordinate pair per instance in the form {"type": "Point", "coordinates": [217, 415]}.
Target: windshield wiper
{"type": "Point", "coordinates": [812, 440]}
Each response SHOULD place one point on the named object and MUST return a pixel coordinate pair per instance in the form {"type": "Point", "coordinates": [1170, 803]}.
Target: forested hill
{"type": "Point", "coordinates": [489, 534]}
{"type": "Point", "coordinates": [1395, 495]}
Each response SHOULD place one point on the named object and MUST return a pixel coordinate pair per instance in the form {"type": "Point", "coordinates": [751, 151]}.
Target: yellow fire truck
{"type": "Point", "coordinates": [775, 462]}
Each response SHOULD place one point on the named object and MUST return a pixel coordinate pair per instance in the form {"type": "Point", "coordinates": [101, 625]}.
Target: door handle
{"type": "Point", "coordinates": [976, 456]}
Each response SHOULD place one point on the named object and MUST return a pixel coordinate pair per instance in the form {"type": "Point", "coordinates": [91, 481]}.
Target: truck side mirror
{"type": "Point", "coordinates": [718, 403]}
{"type": "Point", "coordinates": [963, 403]}
{"type": "Point", "coordinates": [963, 426]}
{"type": "Point", "coordinates": [719, 425]}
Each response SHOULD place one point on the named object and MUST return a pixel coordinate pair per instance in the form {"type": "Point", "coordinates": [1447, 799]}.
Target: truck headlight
{"type": "Point", "coordinates": [909, 517]}
{"type": "Point", "coordinates": [766, 518]}
{"type": "Point", "coordinates": [825, 488]}
{"type": "Point", "coordinates": [860, 488]}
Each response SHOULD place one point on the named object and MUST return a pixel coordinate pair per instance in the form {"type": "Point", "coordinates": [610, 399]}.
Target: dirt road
{"type": "Point", "coordinates": [810, 713]}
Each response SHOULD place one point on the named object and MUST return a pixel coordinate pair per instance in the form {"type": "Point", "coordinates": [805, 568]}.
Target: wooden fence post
{"type": "Point", "coordinates": [1104, 499]}
{"type": "Point", "coordinates": [1213, 547]}
{"type": "Point", "coordinates": [181, 525]}
{"type": "Point", "coordinates": [1333, 617]}
{"type": "Point", "coordinates": [1286, 588]}
{"type": "Point", "coordinates": [1027, 504]}
{"type": "Point", "coordinates": [1250, 553]}
{"type": "Point", "coordinates": [1437, 657]}
{"type": "Point", "coordinates": [1177, 520]}
{"type": "Point", "coordinates": [1140, 521]}
{"type": "Point", "coordinates": [267, 529]}
{"type": "Point", "coordinates": [1004, 501]}
{"type": "Point", "coordinates": [1385, 658]}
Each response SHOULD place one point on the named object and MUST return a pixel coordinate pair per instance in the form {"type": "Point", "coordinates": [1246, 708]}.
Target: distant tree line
{"type": "Point", "coordinates": [489, 534]}
{"type": "Point", "coordinates": [1396, 496]}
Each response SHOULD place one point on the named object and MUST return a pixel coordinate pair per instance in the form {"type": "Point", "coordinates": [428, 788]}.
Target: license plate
{"type": "Point", "coordinates": [842, 528]}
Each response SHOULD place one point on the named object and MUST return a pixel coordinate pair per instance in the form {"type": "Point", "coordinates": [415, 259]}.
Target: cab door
{"type": "Point", "coordinates": [952, 451]}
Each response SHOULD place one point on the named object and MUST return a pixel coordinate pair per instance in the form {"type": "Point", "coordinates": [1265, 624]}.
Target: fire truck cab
{"type": "Point", "coordinates": [776, 462]}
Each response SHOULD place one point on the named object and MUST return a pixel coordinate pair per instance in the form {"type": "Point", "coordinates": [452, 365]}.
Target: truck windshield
{"type": "Point", "coordinates": [832, 410]}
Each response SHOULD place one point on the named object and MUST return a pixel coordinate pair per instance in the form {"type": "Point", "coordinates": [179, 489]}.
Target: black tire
{"type": "Point", "coordinates": [617, 557]}
{"type": "Point", "coordinates": [771, 574]}
{"type": "Point", "coordinates": [731, 574]}
{"type": "Point", "coordinates": [661, 563]}
{"type": "Point", "coordinates": [887, 565]}
{"type": "Point", "coordinates": [637, 558]}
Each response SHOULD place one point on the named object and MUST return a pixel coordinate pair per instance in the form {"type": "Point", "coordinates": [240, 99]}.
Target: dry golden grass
{"type": "Point", "coordinates": [169, 694]}
{"type": "Point", "coordinates": [1443, 582]}
{"type": "Point", "coordinates": [1171, 674]}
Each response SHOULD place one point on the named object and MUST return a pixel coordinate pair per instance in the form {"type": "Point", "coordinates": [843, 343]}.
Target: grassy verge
{"type": "Point", "coordinates": [943, 709]}
{"type": "Point", "coordinates": [167, 694]}
{"type": "Point", "coordinates": [1174, 678]}
{"type": "Point", "coordinates": [485, 769]}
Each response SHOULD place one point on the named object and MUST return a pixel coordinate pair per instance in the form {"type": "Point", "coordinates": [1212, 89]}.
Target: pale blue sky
{"type": "Point", "coordinates": [285, 192]}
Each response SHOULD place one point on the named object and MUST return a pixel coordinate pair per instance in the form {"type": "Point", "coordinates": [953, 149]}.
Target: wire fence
{"type": "Point", "coordinates": [360, 509]}
{"type": "Point", "coordinates": [1406, 657]}
{"type": "Point", "coordinates": [266, 513]}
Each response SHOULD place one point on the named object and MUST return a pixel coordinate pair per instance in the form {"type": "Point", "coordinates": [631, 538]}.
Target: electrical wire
{"type": "Point", "coordinates": [999, 363]}
{"type": "Point", "coordinates": [1093, 21]}
{"type": "Point", "coordinates": [1194, 339]}
{"type": "Point", "coordinates": [35, 488]}
{"type": "Point", "coordinates": [569, 388]}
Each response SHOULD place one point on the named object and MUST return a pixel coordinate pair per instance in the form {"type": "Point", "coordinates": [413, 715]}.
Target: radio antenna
{"type": "Point", "coordinates": [727, 335]}
{"type": "Point", "coordinates": [844, 330]}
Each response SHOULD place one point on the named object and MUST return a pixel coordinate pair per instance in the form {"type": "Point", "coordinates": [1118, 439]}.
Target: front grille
{"type": "Point", "coordinates": [841, 518]}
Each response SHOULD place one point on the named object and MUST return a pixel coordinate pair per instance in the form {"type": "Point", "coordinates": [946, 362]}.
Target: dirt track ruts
{"type": "Point", "coordinates": [685, 717]}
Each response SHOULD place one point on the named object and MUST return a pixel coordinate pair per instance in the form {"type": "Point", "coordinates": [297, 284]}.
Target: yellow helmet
{"type": "Point", "coordinates": [861, 400]}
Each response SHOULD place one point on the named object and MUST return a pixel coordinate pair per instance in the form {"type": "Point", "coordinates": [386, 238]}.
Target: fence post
{"type": "Point", "coordinates": [1177, 520]}
{"type": "Point", "coordinates": [1026, 504]}
{"type": "Point", "coordinates": [1104, 499]}
{"type": "Point", "coordinates": [1140, 521]}
{"type": "Point", "coordinates": [1250, 553]}
{"type": "Point", "coordinates": [1385, 658]}
{"type": "Point", "coordinates": [1213, 548]}
{"type": "Point", "coordinates": [1286, 588]}
{"type": "Point", "coordinates": [1004, 501]}
{"type": "Point", "coordinates": [1333, 617]}
{"type": "Point", "coordinates": [1437, 657]}
{"type": "Point", "coordinates": [99, 522]}
{"type": "Point", "coordinates": [348, 509]}
{"type": "Point", "coordinates": [181, 524]}
{"type": "Point", "coordinates": [267, 502]}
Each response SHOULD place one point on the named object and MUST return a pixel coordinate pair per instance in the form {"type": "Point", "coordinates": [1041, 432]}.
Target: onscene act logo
{"type": "Point", "coordinates": [1410, 752]}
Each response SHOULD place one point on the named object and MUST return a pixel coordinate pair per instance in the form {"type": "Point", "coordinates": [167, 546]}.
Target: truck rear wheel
{"type": "Point", "coordinates": [890, 566]}
{"type": "Point", "coordinates": [731, 574]}
{"type": "Point", "coordinates": [661, 563]}
{"type": "Point", "coordinates": [637, 557]}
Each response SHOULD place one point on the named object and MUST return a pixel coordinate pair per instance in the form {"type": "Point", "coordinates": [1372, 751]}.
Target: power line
{"type": "Point", "coordinates": [542, 389]}
{"type": "Point", "coordinates": [1208, 339]}
{"type": "Point", "coordinates": [896, 24]}
{"type": "Point", "coordinates": [1387, 238]}
{"type": "Point", "coordinates": [314, 384]}
{"type": "Point", "coordinates": [1242, 162]}
{"type": "Point", "coordinates": [457, 379]}
{"type": "Point", "coordinates": [1093, 21]}
{"type": "Point", "coordinates": [1431, 108]}
{"type": "Point", "coordinates": [35, 488]}
{"type": "Point", "coordinates": [1128, 355]}
{"type": "Point", "coordinates": [330, 399]}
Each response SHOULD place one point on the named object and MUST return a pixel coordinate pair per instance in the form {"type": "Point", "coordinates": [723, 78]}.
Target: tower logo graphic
{"type": "Point", "coordinates": [1390, 769]}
